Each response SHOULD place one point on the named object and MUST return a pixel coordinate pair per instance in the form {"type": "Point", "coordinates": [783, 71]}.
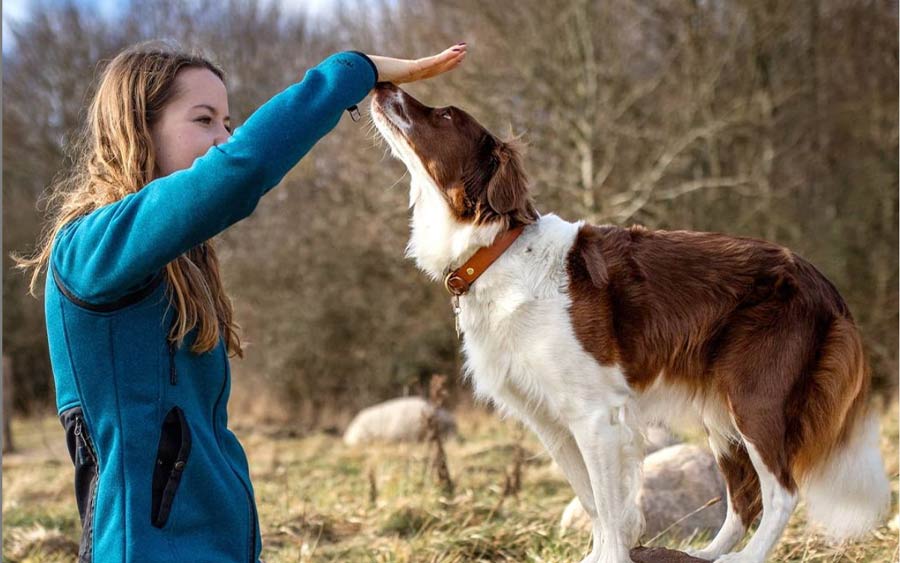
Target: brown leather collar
{"type": "Point", "coordinates": [458, 281]}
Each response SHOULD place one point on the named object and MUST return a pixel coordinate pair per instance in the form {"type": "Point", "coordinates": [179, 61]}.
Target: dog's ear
{"type": "Point", "coordinates": [507, 190]}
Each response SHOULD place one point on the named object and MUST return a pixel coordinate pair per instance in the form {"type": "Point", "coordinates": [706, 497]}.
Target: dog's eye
{"type": "Point", "coordinates": [445, 113]}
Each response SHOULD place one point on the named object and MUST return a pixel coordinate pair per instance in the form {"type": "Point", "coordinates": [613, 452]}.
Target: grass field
{"type": "Point", "coordinates": [321, 501]}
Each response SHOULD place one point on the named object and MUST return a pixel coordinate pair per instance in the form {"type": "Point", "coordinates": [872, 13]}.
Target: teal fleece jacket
{"type": "Point", "coordinates": [159, 477]}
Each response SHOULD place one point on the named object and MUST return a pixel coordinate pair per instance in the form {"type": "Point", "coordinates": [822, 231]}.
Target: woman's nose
{"type": "Point", "coordinates": [222, 136]}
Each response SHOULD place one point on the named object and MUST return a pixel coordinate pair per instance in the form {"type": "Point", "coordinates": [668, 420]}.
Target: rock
{"type": "Point", "coordinates": [397, 420]}
{"type": "Point", "coordinates": [677, 480]}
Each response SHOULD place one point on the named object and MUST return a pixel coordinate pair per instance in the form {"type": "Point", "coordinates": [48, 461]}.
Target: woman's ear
{"type": "Point", "coordinates": [507, 189]}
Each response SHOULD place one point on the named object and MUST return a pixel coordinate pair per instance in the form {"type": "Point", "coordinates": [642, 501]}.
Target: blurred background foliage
{"type": "Point", "coordinates": [764, 118]}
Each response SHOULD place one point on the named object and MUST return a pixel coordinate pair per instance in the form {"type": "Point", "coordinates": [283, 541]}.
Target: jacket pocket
{"type": "Point", "coordinates": [84, 457]}
{"type": "Point", "coordinates": [171, 458]}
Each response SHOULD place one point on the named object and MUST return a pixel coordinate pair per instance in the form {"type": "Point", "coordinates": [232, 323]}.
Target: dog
{"type": "Point", "coordinates": [587, 333]}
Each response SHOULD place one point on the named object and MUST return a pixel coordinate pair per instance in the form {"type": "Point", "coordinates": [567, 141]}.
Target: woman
{"type": "Point", "coordinates": [139, 326]}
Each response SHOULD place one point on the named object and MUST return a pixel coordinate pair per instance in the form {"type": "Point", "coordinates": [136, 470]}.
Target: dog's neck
{"type": "Point", "coordinates": [439, 242]}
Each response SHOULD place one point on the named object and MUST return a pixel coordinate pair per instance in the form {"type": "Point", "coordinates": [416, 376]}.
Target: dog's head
{"type": "Point", "coordinates": [479, 176]}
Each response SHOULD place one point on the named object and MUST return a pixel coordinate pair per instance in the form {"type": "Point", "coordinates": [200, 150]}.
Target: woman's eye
{"type": "Point", "coordinates": [206, 120]}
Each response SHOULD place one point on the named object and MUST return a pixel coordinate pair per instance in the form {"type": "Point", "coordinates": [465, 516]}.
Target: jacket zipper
{"type": "Point", "coordinates": [252, 511]}
{"type": "Point", "coordinates": [85, 441]}
{"type": "Point", "coordinates": [85, 447]}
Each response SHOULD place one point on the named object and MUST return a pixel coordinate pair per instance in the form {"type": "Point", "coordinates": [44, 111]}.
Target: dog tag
{"type": "Point", "coordinates": [456, 311]}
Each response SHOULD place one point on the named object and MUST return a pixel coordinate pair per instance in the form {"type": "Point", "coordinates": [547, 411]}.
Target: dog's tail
{"type": "Point", "coordinates": [847, 491]}
{"type": "Point", "coordinates": [850, 494]}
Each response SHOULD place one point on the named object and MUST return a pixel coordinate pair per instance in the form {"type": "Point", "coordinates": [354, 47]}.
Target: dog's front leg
{"type": "Point", "coordinates": [560, 443]}
{"type": "Point", "coordinates": [602, 437]}
{"type": "Point", "coordinates": [564, 450]}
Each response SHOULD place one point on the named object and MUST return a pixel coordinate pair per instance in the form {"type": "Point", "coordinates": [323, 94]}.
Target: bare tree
{"type": "Point", "coordinates": [767, 119]}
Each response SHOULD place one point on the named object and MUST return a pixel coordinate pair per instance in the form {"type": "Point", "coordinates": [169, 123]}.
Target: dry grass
{"type": "Point", "coordinates": [315, 505]}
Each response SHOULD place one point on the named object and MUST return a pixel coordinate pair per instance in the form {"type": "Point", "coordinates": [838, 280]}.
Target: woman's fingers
{"type": "Point", "coordinates": [434, 65]}
{"type": "Point", "coordinates": [399, 71]}
{"type": "Point", "coordinates": [443, 64]}
{"type": "Point", "coordinates": [452, 62]}
{"type": "Point", "coordinates": [433, 69]}
{"type": "Point", "coordinates": [447, 55]}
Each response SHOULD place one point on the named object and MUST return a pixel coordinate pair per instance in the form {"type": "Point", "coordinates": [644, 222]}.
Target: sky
{"type": "Point", "coordinates": [19, 9]}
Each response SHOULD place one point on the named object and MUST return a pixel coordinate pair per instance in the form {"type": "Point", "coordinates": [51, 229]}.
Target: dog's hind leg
{"type": "Point", "coordinates": [778, 505]}
{"type": "Point", "coordinates": [766, 370]}
{"type": "Point", "coordinates": [744, 502]}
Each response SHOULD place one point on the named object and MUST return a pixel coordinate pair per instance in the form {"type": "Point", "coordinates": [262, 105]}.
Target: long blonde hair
{"type": "Point", "coordinates": [114, 157]}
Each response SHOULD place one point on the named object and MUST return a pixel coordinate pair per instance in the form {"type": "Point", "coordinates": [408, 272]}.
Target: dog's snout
{"type": "Point", "coordinates": [388, 92]}
{"type": "Point", "coordinates": [397, 107]}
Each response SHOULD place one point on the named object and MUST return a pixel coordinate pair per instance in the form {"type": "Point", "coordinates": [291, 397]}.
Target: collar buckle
{"type": "Point", "coordinates": [455, 284]}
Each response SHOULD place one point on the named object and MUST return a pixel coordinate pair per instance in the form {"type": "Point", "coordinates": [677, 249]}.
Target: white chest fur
{"type": "Point", "coordinates": [520, 347]}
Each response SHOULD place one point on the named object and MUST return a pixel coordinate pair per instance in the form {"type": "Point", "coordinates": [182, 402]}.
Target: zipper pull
{"type": "Point", "coordinates": [173, 372]}
{"type": "Point", "coordinates": [79, 443]}
{"type": "Point", "coordinates": [354, 112]}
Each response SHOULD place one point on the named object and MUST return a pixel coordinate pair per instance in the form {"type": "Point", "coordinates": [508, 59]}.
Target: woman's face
{"type": "Point", "coordinates": [192, 122]}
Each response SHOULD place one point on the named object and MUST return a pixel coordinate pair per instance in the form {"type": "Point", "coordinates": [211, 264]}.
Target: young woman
{"type": "Point", "coordinates": [140, 329]}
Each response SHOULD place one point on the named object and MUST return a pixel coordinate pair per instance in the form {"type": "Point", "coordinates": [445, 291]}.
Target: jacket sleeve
{"type": "Point", "coordinates": [116, 249]}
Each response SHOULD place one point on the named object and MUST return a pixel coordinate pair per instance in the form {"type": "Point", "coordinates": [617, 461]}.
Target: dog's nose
{"type": "Point", "coordinates": [387, 93]}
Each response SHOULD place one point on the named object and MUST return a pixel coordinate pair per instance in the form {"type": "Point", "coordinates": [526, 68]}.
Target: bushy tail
{"type": "Point", "coordinates": [849, 494]}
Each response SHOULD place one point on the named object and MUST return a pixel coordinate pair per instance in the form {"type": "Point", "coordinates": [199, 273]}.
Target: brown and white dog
{"type": "Point", "coordinates": [586, 333]}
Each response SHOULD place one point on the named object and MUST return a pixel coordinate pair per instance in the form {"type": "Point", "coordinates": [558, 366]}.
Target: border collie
{"type": "Point", "coordinates": [587, 333]}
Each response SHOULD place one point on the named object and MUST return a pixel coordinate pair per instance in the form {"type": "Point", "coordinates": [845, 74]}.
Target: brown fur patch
{"type": "Point", "coordinates": [741, 319]}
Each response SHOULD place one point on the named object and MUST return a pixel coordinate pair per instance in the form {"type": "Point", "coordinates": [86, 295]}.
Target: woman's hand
{"type": "Point", "coordinates": [399, 71]}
